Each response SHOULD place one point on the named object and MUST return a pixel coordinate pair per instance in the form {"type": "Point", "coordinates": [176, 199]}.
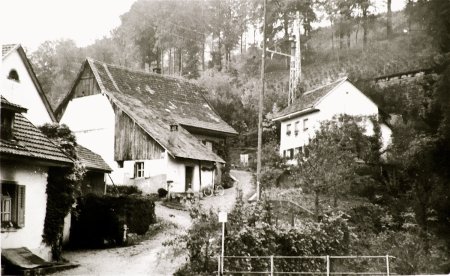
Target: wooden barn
{"type": "Point", "coordinates": [151, 129]}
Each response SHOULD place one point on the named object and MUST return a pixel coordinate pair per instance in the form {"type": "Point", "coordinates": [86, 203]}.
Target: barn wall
{"type": "Point", "coordinates": [87, 85]}
{"type": "Point", "coordinates": [131, 142]}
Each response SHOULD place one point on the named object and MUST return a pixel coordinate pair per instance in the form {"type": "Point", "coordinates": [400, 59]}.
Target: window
{"type": "Point", "coordinates": [296, 128]}
{"type": "Point", "coordinates": [6, 125]}
{"type": "Point", "coordinates": [13, 205]}
{"type": "Point", "coordinates": [288, 129]}
{"type": "Point", "coordinates": [13, 75]}
{"type": "Point", "coordinates": [284, 153]}
{"type": "Point", "coordinates": [120, 164]}
{"type": "Point", "coordinates": [291, 154]}
{"type": "Point", "coordinates": [138, 169]}
{"type": "Point", "coordinates": [305, 124]}
{"type": "Point", "coordinates": [306, 151]}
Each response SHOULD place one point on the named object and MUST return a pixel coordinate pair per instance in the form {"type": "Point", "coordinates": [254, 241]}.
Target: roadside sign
{"type": "Point", "coordinates": [223, 216]}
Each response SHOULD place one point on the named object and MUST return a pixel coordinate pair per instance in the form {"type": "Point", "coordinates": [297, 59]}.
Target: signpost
{"type": "Point", "coordinates": [223, 218]}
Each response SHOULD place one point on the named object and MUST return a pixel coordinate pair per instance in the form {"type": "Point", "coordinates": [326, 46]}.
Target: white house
{"type": "Point", "coordinates": [19, 85]}
{"type": "Point", "coordinates": [26, 155]}
{"type": "Point", "coordinates": [152, 130]}
{"type": "Point", "coordinates": [300, 120]}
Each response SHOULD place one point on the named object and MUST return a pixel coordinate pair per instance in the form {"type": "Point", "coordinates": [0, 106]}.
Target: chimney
{"type": "Point", "coordinates": [173, 127]}
{"type": "Point", "coordinates": [157, 70]}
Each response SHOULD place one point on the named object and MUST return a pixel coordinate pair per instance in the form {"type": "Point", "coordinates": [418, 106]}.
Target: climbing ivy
{"type": "Point", "coordinates": [63, 186]}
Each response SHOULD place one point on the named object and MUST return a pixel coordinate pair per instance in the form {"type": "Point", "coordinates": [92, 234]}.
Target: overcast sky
{"type": "Point", "coordinates": [31, 22]}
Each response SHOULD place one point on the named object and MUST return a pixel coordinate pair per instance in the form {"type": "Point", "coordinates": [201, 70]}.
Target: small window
{"type": "Point", "coordinates": [288, 129]}
{"type": "Point", "coordinates": [138, 169]}
{"type": "Point", "coordinates": [12, 205]}
{"type": "Point", "coordinates": [13, 75]}
{"type": "Point", "coordinates": [291, 154]}
{"type": "Point", "coordinates": [120, 163]}
{"type": "Point", "coordinates": [296, 128]}
{"type": "Point", "coordinates": [173, 128]}
{"type": "Point", "coordinates": [306, 151]}
{"type": "Point", "coordinates": [305, 124]}
{"type": "Point", "coordinates": [284, 153]}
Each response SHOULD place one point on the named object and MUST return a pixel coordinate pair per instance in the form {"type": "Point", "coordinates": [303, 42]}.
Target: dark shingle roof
{"type": "Point", "coordinates": [309, 99]}
{"type": "Point", "coordinates": [155, 102]}
{"type": "Point", "coordinates": [91, 160]}
{"type": "Point", "coordinates": [29, 141]}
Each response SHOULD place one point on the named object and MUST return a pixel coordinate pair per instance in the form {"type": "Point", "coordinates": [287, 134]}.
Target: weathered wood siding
{"type": "Point", "coordinates": [131, 142]}
{"type": "Point", "coordinates": [87, 85]}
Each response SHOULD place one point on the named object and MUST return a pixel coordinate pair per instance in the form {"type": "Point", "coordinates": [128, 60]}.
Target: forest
{"type": "Point", "coordinates": [399, 207]}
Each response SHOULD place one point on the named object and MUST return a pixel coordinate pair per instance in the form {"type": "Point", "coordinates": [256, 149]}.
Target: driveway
{"type": "Point", "coordinates": [150, 257]}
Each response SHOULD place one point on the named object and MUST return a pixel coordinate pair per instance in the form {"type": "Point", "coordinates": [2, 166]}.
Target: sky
{"type": "Point", "coordinates": [32, 22]}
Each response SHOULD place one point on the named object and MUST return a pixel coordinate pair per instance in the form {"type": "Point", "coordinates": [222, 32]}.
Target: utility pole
{"type": "Point", "coordinates": [261, 107]}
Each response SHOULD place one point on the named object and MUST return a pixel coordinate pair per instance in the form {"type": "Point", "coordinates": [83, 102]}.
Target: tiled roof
{"type": "Point", "coordinates": [91, 160]}
{"type": "Point", "coordinates": [310, 98]}
{"type": "Point", "coordinates": [6, 48]}
{"type": "Point", "coordinates": [155, 102]}
{"type": "Point", "coordinates": [29, 141]}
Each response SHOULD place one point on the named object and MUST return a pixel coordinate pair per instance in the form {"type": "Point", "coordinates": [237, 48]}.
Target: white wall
{"type": "Point", "coordinates": [345, 99]}
{"type": "Point", "coordinates": [176, 172]}
{"type": "Point", "coordinates": [24, 92]}
{"type": "Point", "coordinates": [35, 180]}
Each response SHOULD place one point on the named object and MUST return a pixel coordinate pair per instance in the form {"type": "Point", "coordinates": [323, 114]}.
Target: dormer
{"type": "Point", "coordinates": [7, 115]}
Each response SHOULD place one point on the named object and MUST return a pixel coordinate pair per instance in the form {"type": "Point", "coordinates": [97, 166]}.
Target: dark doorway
{"type": "Point", "coordinates": [189, 177]}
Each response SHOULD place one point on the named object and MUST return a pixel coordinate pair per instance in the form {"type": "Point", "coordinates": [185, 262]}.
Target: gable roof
{"type": "Point", "coordinates": [307, 101]}
{"type": "Point", "coordinates": [155, 102]}
{"type": "Point", "coordinates": [6, 51]}
{"type": "Point", "coordinates": [29, 141]}
{"type": "Point", "coordinates": [91, 160]}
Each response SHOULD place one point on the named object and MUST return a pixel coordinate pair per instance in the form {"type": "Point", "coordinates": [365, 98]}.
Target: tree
{"type": "Point", "coordinates": [330, 165]}
{"type": "Point", "coordinates": [389, 18]}
{"type": "Point", "coordinates": [56, 64]}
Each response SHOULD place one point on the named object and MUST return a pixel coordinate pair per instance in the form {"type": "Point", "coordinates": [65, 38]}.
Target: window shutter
{"type": "Point", "coordinates": [135, 170]}
{"type": "Point", "coordinates": [146, 169]}
{"type": "Point", "coordinates": [20, 205]}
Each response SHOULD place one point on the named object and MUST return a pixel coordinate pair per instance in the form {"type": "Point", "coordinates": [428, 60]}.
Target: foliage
{"type": "Point", "coordinates": [102, 218]}
{"type": "Point", "coordinates": [123, 190]}
{"type": "Point", "coordinates": [63, 187]}
{"type": "Point", "coordinates": [250, 232]}
{"type": "Point", "coordinates": [332, 162]}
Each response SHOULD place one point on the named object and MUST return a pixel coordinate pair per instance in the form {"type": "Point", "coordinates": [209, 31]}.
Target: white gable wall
{"type": "Point", "coordinates": [24, 92]}
{"type": "Point", "coordinates": [344, 99]}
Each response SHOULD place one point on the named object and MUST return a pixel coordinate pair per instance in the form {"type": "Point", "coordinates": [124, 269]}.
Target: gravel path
{"type": "Point", "coordinates": [150, 257]}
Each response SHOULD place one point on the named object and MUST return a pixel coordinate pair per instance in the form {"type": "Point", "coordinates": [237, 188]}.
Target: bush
{"type": "Point", "coordinates": [100, 220]}
{"type": "Point", "coordinates": [162, 192]}
{"type": "Point", "coordinates": [123, 190]}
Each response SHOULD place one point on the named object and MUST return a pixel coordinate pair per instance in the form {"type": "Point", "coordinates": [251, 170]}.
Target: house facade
{"type": "Point", "coordinates": [302, 119]}
{"type": "Point", "coordinates": [26, 155]}
{"type": "Point", "coordinates": [154, 131]}
{"type": "Point", "coordinates": [19, 85]}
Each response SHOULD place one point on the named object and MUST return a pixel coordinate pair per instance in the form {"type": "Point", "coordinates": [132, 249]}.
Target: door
{"type": "Point", "coordinates": [189, 178]}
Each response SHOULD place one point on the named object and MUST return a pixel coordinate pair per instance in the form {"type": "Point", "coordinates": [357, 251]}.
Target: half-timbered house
{"type": "Point", "coordinates": [153, 130]}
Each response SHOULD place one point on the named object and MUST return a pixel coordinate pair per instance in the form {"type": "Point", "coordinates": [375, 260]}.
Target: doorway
{"type": "Point", "coordinates": [189, 178]}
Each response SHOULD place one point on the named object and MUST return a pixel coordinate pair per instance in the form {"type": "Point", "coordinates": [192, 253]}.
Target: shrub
{"type": "Point", "coordinates": [123, 190]}
{"type": "Point", "coordinates": [101, 219]}
{"type": "Point", "coordinates": [162, 192]}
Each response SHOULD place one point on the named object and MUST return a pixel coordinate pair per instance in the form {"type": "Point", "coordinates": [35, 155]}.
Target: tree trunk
{"type": "Point", "coordinates": [365, 28]}
{"type": "Point", "coordinates": [316, 205]}
{"type": "Point", "coordinates": [389, 19]}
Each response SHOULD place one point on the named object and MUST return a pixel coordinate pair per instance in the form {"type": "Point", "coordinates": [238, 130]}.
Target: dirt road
{"type": "Point", "coordinates": [150, 257]}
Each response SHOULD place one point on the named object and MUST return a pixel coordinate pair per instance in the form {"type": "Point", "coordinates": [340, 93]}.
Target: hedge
{"type": "Point", "coordinates": [98, 221]}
